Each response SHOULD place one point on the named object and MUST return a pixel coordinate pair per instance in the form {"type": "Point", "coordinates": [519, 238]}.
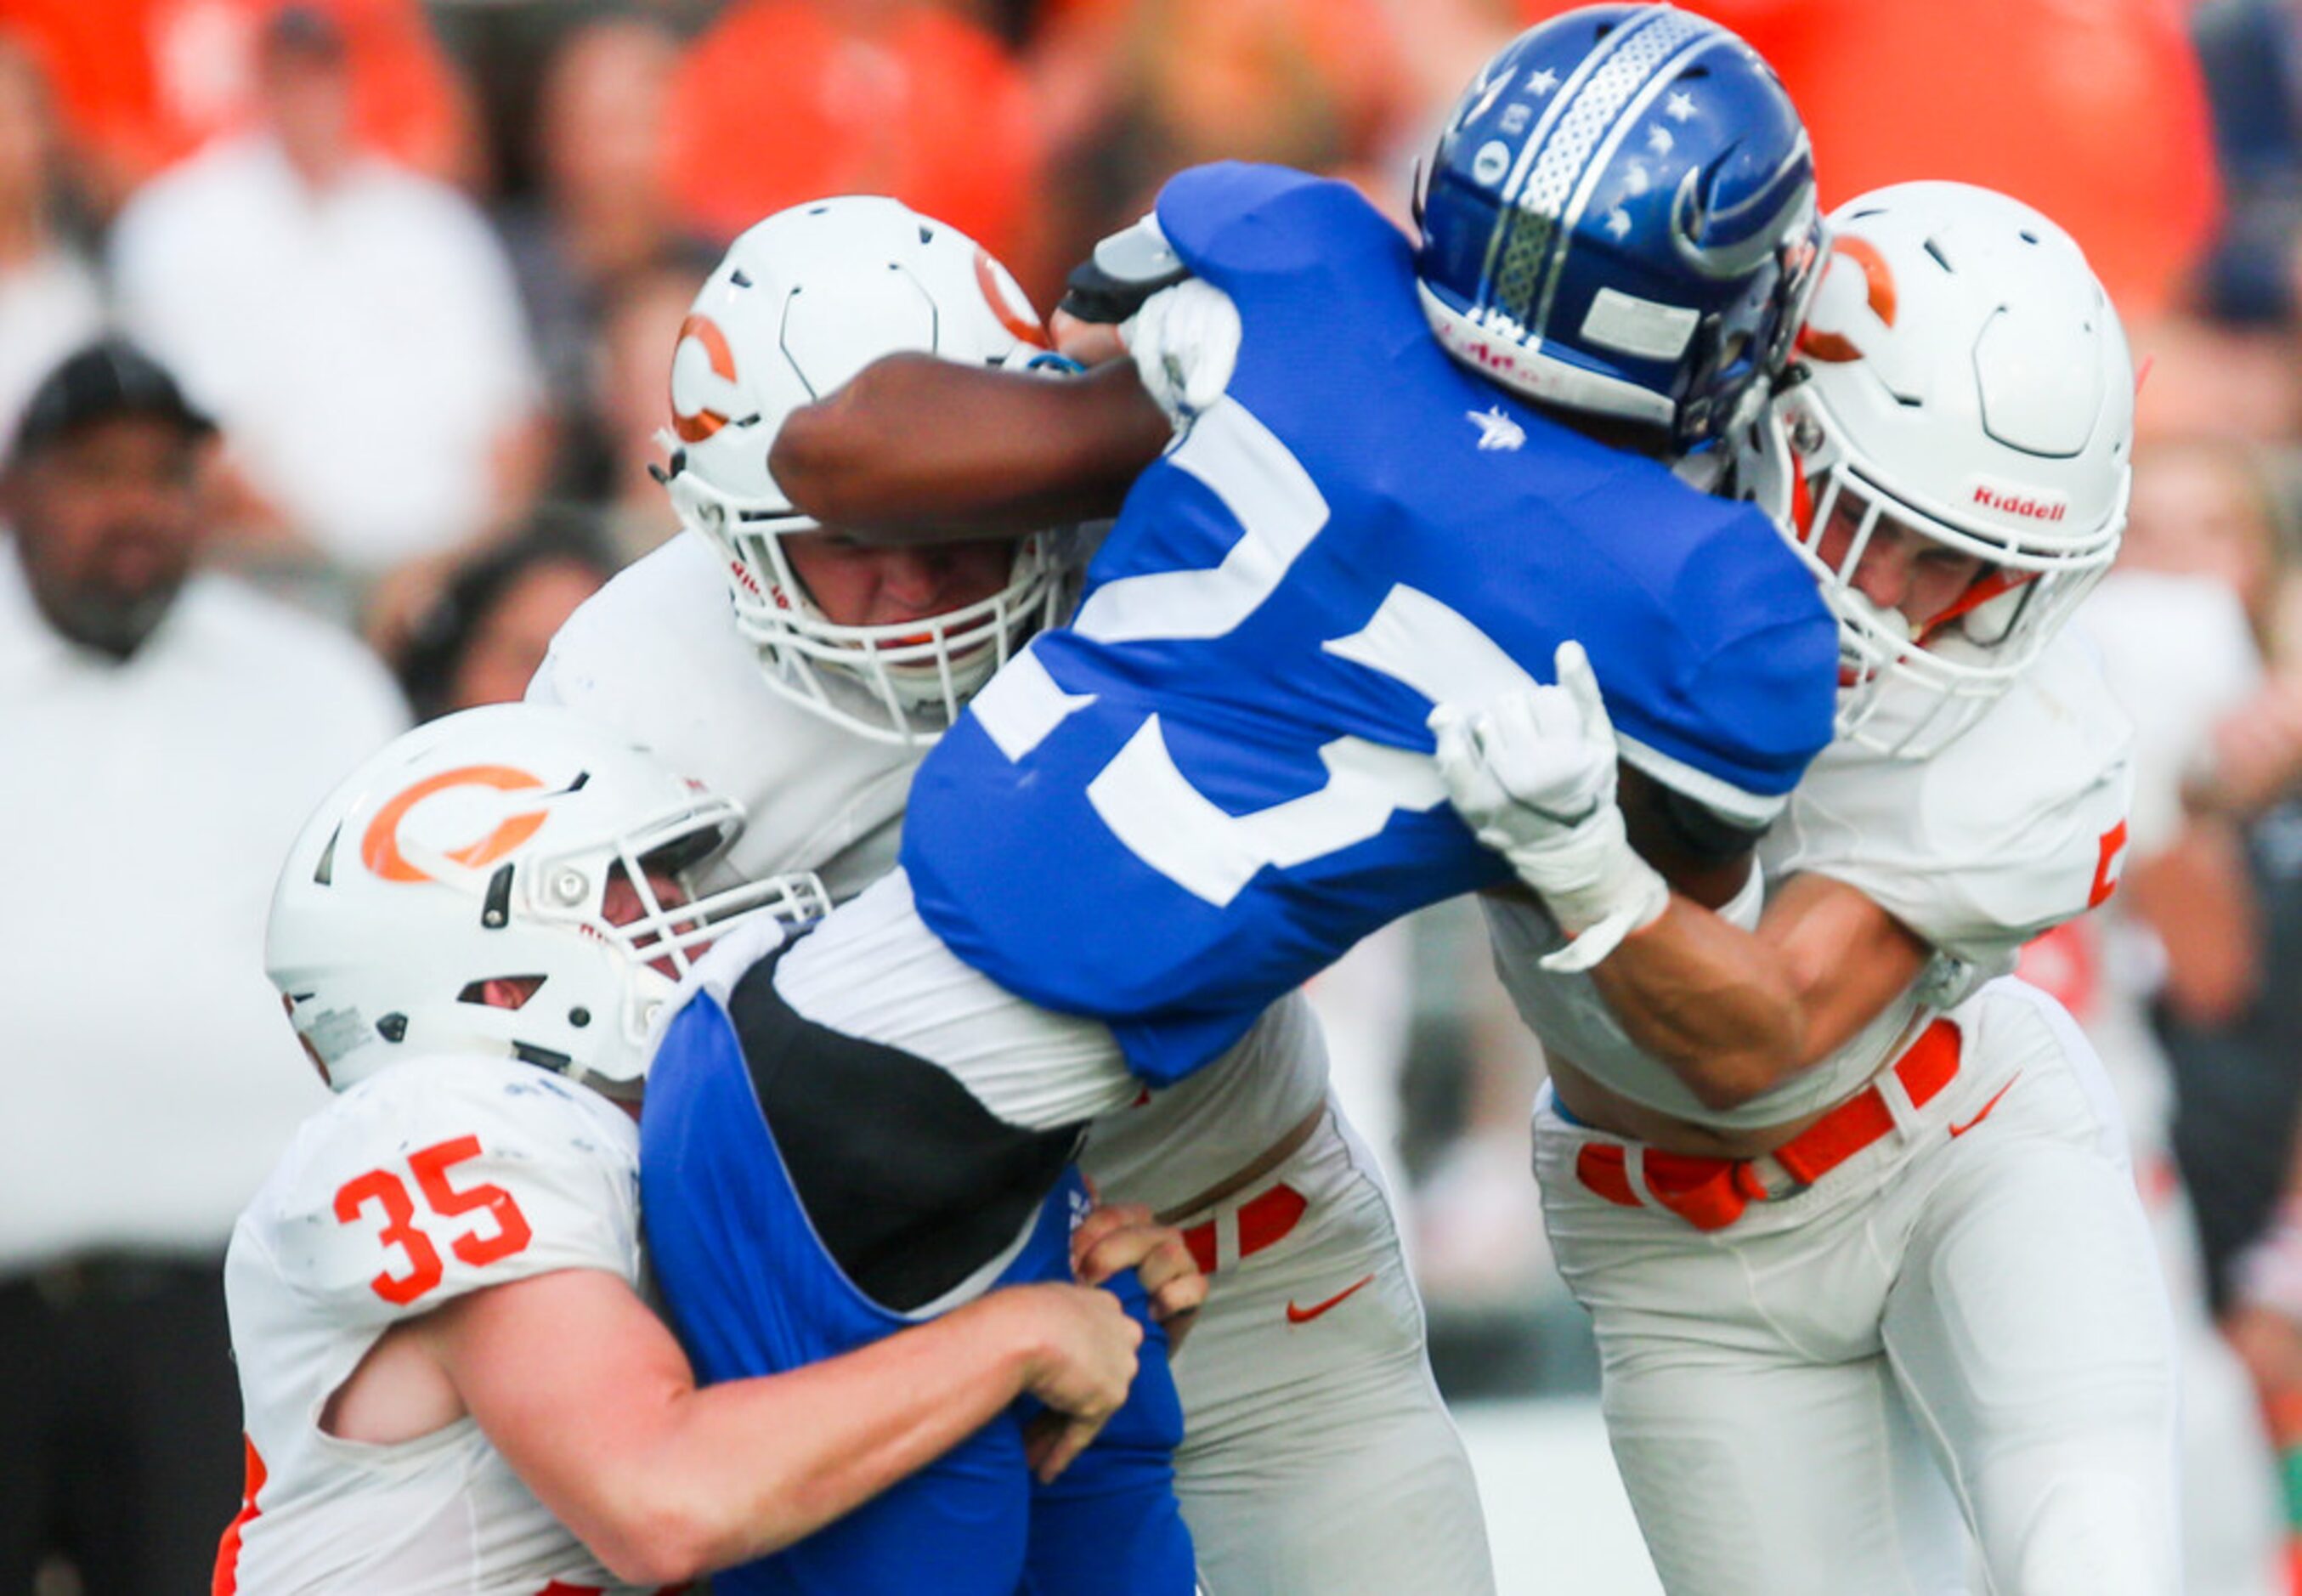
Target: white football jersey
{"type": "Point", "coordinates": [2013, 827]}
{"type": "Point", "coordinates": [434, 1177]}
{"type": "Point", "coordinates": [655, 656]}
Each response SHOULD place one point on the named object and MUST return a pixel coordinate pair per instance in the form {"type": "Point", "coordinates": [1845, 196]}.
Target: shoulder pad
{"type": "Point", "coordinates": [1230, 221]}
{"type": "Point", "coordinates": [431, 1180]}
{"type": "Point", "coordinates": [2017, 825]}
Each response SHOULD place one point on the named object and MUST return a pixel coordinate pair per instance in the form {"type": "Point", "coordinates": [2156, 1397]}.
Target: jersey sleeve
{"type": "Point", "coordinates": [428, 1182]}
{"type": "Point", "coordinates": [1230, 221]}
{"type": "Point", "coordinates": [2016, 827]}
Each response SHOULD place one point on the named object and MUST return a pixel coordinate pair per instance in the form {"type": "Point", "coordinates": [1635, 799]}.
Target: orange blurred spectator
{"type": "Point", "coordinates": [1132, 91]}
{"type": "Point", "coordinates": [2094, 113]}
{"type": "Point", "coordinates": [789, 100]}
{"type": "Point", "coordinates": [49, 303]}
{"type": "Point", "coordinates": [1304, 82]}
{"type": "Point", "coordinates": [143, 83]}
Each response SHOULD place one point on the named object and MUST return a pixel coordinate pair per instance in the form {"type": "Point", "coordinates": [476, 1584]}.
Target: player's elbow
{"type": "Point", "coordinates": [656, 1533]}
{"type": "Point", "coordinates": [1725, 1079]}
{"type": "Point", "coordinates": [831, 457]}
{"type": "Point", "coordinates": [812, 456]}
{"type": "Point", "coordinates": [674, 1534]}
{"type": "Point", "coordinates": [655, 1547]}
{"type": "Point", "coordinates": [1722, 1085]}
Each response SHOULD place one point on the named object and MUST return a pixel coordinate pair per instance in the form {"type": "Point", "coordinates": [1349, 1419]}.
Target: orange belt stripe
{"type": "Point", "coordinates": [1711, 1193]}
{"type": "Point", "coordinates": [1263, 1220]}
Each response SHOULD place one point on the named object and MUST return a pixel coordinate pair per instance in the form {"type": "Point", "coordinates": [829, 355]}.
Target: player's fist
{"type": "Point", "coordinates": [1078, 1360]}
{"type": "Point", "coordinates": [1185, 342]}
{"type": "Point", "coordinates": [1533, 766]}
{"type": "Point", "coordinates": [1532, 773]}
{"type": "Point", "coordinates": [1118, 1237]}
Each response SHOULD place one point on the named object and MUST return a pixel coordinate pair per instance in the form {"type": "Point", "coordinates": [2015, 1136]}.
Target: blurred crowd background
{"type": "Point", "coordinates": [424, 265]}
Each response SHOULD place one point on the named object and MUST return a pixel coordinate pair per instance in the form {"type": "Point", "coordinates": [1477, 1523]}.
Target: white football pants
{"type": "Point", "coordinates": [1964, 1318]}
{"type": "Point", "coordinates": [1317, 1457]}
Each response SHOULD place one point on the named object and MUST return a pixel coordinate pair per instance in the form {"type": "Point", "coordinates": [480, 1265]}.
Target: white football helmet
{"type": "Point", "coordinates": [803, 301]}
{"type": "Point", "coordinates": [1962, 372]}
{"type": "Point", "coordinates": [486, 846]}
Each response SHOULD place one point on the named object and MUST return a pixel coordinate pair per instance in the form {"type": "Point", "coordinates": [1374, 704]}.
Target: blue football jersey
{"type": "Point", "coordinates": [752, 1291]}
{"type": "Point", "coordinates": [1217, 778]}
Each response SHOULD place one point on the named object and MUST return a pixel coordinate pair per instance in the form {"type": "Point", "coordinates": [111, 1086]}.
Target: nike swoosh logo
{"type": "Point", "coordinates": [1977, 1118]}
{"type": "Point", "coordinates": [1296, 1315]}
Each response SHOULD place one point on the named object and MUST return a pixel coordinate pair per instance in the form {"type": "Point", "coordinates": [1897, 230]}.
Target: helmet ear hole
{"type": "Point", "coordinates": [502, 991]}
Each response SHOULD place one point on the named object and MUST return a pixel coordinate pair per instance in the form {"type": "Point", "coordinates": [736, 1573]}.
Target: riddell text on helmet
{"type": "Point", "coordinates": [2019, 504]}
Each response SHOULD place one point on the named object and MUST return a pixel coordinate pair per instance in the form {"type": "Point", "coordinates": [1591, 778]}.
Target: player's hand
{"type": "Point", "coordinates": [1117, 1237]}
{"type": "Point", "coordinates": [1185, 341]}
{"type": "Point", "coordinates": [1532, 774]}
{"type": "Point", "coordinates": [1081, 1361]}
{"type": "Point", "coordinates": [1533, 768]}
{"type": "Point", "coordinates": [1090, 343]}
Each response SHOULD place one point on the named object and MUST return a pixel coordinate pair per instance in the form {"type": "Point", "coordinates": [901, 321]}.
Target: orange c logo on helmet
{"type": "Point", "coordinates": [380, 847]}
{"type": "Point", "coordinates": [1006, 300]}
{"type": "Point", "coordinates": [694, 426]}
{"type": "Point", "coordinates": [1879, 285]}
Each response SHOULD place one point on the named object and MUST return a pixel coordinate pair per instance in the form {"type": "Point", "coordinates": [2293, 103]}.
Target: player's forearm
{"type": "Point", "coordinates": [1735, 1012]}
{"type": "Point", "coordinates": [920, 449]}
{"type": "Point", "coordinates": [1711, 1000]}
{"type": "Point", "coordinates": [588, 1395]}
{"type": "Point", "coordinates": [743, 1469]}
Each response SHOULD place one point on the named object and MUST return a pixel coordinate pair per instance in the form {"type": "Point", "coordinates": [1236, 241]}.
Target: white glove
{"type": "Point", "coordinates": [1185, 342]}
{"type": "Point", "coordinates": [1532, 776]}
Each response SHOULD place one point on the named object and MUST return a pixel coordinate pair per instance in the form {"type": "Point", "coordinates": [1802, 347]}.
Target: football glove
{"type": "Point", "coordinates": [1185, 342]}
{"type": "Point", "coordinates": [1532, 774]}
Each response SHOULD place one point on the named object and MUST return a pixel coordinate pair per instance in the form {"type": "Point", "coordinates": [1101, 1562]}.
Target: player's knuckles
{"type": "Point", "coordinates": [1104, 1220]}
{"type": "Point", "coordinates": [1165, 1265]}
{"type": "Point", "coordinates": [1185, 1294]}
{"type": "Point", "coordinates": [1105, 1258]}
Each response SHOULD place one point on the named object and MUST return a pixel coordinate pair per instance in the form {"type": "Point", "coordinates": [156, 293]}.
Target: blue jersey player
{"type": "Point", "coordinates": [1161, 818]}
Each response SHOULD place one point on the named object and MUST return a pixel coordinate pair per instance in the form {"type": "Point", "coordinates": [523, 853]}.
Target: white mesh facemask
{"type": "Point", "coordinates": [904, 682]}
{"type": "Point", "coordinates": [1906, 691]}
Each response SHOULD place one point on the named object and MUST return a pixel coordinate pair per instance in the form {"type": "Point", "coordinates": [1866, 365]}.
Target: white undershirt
{"type": "Point", "coordinates": [148, 806]}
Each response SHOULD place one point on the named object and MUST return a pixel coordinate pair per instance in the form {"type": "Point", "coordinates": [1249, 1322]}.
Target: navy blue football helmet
{"type": "Point", "coordinates": [1620, 218]}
